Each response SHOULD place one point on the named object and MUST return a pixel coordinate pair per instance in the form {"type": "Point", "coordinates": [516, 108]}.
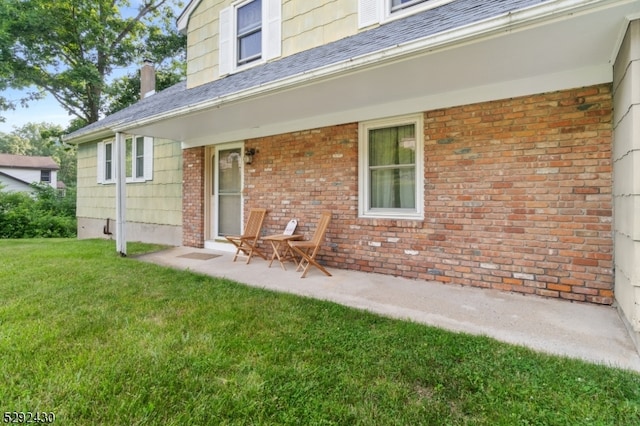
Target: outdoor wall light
{"type": "Point", "coordinates": [248, 155]}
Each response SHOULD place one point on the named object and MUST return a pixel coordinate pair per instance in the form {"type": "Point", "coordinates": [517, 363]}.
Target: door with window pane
{"type": "Point", "coordinates": [228, 191]}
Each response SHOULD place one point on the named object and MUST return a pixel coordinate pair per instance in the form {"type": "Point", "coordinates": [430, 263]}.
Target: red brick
{"type": "Point", "coordinates": [507, 186]}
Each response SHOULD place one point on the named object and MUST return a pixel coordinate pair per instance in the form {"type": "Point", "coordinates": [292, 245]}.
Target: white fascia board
{"type": "Point", "coordinates": [183, 19]}
{"type": "Point", "coordinates": [623, 32]}
{"type": "Point", "coordinates": [90, 136]}
{"type": "Point", "coordinates": [491, 27]}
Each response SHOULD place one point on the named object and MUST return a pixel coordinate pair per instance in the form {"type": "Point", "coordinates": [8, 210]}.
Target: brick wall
{"type": "Point", "coordinates": [193, 197]}
{"type": "Point", "coordinates": [517, 196]}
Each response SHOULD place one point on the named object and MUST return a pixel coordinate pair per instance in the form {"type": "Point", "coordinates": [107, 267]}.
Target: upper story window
{"type": "Point", "coordinates": [391, 168]}
{"type": "Point", "coordinates": [379, 11]}
{"type": "Point", "coordinates": [138, 160]}
{"type": "Point", "coordinates": [402, 4]}
{"type": "Point", "coordinates": [45, 176]}
{"type": "Point", "coordinates": [250, 34]}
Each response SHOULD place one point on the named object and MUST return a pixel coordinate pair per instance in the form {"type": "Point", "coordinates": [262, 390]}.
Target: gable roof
{"type": "Point", "coordinates": [183, 19]}
{"type": "Point", "coordinates": [391, 35]}
{"type": "Point", "coordinates": [8, 177]}
{"type": "Point", "coordinates": [28, 162]}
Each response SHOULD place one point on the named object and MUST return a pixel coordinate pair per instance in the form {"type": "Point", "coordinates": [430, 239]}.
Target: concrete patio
{"type": "Point", "coordinates": [589, 332]}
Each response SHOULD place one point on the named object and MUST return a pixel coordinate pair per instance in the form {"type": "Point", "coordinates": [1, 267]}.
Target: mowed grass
{"type": "Point", "coordinates": [103, 340]}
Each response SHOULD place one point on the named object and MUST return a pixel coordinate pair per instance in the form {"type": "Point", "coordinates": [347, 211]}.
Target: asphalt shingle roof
{"type": "Point", "coordinates": [450, 16]}
{"type": "Point", "coordinates": [28, 162]}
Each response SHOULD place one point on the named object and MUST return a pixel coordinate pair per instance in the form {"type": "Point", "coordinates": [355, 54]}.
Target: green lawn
{"type": "Point", "coordinates": [102, 340]}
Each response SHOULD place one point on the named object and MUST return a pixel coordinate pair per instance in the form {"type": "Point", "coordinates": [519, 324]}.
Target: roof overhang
{"type": "Point", "coordinates": [183, 19]}
{"type": "Point", "coordinates": [552, 46]}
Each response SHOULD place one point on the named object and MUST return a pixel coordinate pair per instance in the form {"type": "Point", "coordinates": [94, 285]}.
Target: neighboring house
{"type": "Point", "coordinates": [18, 172]}
{"type": "Point", "coordinates": [473, 142]}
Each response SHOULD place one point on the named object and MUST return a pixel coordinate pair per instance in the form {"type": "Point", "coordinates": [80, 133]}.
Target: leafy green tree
{"type": "Point", "coordinates": [71, 48]}
{"type": "Point", "coordinates": [45, 213]}
{"type": "Point", "coordinates": [42, 139]}
{"type": "Point", "coordinates": [125, 91]}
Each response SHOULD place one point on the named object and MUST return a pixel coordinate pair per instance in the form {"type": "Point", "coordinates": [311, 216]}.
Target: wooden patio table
{"type": "Point", "coordinates": [278, 242]}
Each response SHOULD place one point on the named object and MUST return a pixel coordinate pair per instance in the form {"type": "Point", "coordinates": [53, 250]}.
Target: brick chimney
{"type": "Point", "coordinates": [147, 79]}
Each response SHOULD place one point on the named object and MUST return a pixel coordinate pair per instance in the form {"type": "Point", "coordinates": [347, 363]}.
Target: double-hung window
{"type": "Point", "coordinates": [138, 160]}
{"type": "Point", "coordinates": [106, 166]}
{"type": "Point", "coordinates": [391, 168]}
{"type": "Point", "coordinates": [135, 159]}
{"type": "Point", "coordinates": [45, 176]}
{"type": "Point", "coordinates": [402, 4]}
{"type": "Point", "coordinates": [250, 34]}
{"type": "Point", "coordinates": [379, 11]}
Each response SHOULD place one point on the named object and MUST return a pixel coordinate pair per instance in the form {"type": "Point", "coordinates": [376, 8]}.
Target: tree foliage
{"type": "Point", "coordinates": [42, 139]}
{"type": "Point", "coordinates": [45, 213]}
{"type": "Point", "coordinates": [125, 91]}
{"type": "Point", "coordinates": [71, 48]}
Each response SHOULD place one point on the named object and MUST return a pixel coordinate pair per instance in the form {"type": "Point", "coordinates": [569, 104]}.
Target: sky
{"type": "Point", "coordinates": [46, 110]}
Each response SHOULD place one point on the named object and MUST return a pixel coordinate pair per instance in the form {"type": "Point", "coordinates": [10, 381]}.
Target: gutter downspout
{"type": "Point", "coordinates": [121, 194]}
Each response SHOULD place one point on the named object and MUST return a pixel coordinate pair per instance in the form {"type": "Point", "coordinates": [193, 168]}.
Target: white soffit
{"type": "Point", "coordinates": [571, 50]}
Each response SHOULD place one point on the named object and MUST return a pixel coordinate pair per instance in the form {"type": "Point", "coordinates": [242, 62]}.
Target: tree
{"type": "Point", "coordinates": [71, 48]}
{"type": "Point", "coordinates": [125, 91]}
{"type": "Point", "coordinates": [42, 139]}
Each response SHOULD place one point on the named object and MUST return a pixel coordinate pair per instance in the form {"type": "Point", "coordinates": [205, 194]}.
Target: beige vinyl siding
{"type": "Point", "coordinates": [305, 24]}
{"type": "Point", "coordinates": [158, 201]}
{"type": "Point", "coordinates": [311, 23]}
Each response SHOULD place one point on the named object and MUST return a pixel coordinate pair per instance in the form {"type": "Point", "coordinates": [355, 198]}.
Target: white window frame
{"type": "Point", "coordinates": [134, 174]}
{"type": "Point", "coordinates": [364, 190]}
{"type": "Point", "coordinates": [259, 28]}
{"type": "Point", "coordinates": [271, 36]}
{"type": "Point", "coordinates": [102, 163]}
{"type": "Point", "coordinates": [45, 176]}
{"type": "Point", "coordinates": [145, 175]}
{"type": "Point", "coordinates": [372, 12]}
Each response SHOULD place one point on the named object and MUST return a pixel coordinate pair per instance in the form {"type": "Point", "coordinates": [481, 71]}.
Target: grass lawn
{"type": "Point", "coordinates": [101, 340]}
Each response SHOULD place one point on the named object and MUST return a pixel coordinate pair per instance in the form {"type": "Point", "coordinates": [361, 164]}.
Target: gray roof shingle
{"type": "Point", "coordinates": [450, 16]}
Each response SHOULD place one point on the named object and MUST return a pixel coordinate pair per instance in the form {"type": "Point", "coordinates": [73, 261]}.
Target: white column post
{"type": "Point", "coordinates": [121, 194]}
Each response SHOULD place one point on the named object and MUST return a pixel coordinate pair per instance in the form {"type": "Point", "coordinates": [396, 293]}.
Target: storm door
{"type": "Point", "coordinates": [227, 190]}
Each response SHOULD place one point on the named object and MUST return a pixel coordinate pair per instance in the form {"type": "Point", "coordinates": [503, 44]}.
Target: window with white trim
{"type": "Point", "coordinates": [397, 5]}
{"type": "Point", "coordinates": [138, 160]}
{"type": "Point", "coordinates": [135, 158]}
{"type": "Point", "coordinates": [379, 11]}
{"type": "Point", "coordinates": [250, 34]}
{"type": "Point", "coordinates": [106, 166]}
{"type": "Point", "coordinates": [391, 168]}
{"type": "Point", "coordinates": [45, 176]}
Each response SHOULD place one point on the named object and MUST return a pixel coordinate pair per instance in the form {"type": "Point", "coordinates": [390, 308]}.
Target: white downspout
{"type": "Point", "coordinates": [121, 194]}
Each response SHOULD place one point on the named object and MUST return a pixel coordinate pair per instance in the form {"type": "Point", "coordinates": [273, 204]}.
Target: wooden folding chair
{"type": "Point", "coordinates": [247, 242]}
{"type": "Point", "coordinates": [308, 250]}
